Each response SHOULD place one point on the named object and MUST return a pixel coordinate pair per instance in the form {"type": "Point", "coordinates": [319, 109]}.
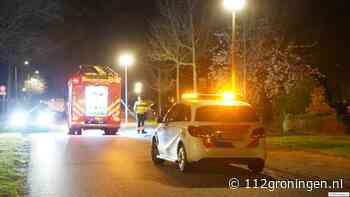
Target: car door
{"type": "Point", "coordinates": [178, 120]}
{"type": "Point", "coordinates": [162, 130]}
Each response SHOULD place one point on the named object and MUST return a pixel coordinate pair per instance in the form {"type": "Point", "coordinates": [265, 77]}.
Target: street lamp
{"type": "Point", "coordinates": [26, 62]}
{"type": "Point", "coordinates": [126, 60]}
{"type": "Point", "coordinates": [234, 6]}
{"type": "Point", "coordinates": [138, 88]}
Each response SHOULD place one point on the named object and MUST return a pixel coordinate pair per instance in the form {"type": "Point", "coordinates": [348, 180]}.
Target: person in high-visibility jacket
{"type": "Point", "coordinates": [140, 108]}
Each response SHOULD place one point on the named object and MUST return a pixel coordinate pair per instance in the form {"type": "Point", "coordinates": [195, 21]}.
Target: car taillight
{"type": "Point", "coordinates": [258, 133]}
{"type": "Point", "coordinates": [202, 133]}
{"type": "Point", "coordinates": [199, 132]}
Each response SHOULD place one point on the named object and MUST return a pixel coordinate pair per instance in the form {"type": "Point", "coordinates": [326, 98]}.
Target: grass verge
{"type": "Point", "coordinates": [14, 157]}
{"type": "Point", "coordinates": [338, 146]}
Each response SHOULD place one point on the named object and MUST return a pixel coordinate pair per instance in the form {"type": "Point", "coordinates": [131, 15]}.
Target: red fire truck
{"type": "Point", "coordinates": [94, 100]}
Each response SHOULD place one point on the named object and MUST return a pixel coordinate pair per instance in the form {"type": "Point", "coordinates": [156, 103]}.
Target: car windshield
{"type": "Point", "coordinates": [227, 114]}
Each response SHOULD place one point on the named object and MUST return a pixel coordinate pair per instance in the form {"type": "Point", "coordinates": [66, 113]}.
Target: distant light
{"type": "Point", "coordinates": [126, 59]}
{"type": "Point", "coordinates": [26, 62]}
{"type": "Point", "coordinates": [138, 88]}
{"type": "Point", "coordinates": [37, 72]}
{"type": "Point", "coordinates": [24, 89]}
{"type": "Point", "coordinates": [34, 80]}
{"type": "Point", "coordinates": [234, 5]}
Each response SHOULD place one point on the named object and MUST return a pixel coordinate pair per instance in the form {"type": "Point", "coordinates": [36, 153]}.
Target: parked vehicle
{"type": "Point", "coordinates": [220, 130]}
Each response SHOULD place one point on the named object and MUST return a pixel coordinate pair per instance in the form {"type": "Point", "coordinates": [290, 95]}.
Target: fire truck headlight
{"type": "Point", "coordinates": [116, 118]}
{"type": "Point", "coordinates": [18, 119]}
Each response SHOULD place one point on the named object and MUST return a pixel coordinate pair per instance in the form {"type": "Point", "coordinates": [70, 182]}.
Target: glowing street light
{"type": "Point", "coordinates": [126, 60]}
{"type": "Point", "coordinates": [26, 62]}
{"type": "Point", "coordinates": [138, 88]}
{"type": "Point", "coordinates": [234, 6]}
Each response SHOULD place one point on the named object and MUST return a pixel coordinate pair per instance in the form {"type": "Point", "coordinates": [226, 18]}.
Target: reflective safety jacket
{"type": "Point", "coordinates": [140, 107]}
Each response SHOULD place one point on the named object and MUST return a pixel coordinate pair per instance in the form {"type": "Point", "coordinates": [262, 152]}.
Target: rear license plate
{"type": "Point", "coordinates": [96, 121]}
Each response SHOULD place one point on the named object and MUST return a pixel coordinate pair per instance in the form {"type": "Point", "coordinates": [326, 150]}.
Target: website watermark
{"type": "Point", "coordinates": [338, 194]}
{"type": "Point", "coordinates": [272, 185]}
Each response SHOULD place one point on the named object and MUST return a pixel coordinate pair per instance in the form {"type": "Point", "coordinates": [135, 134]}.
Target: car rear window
{"type": "Point", "coordinates": [227, 114]}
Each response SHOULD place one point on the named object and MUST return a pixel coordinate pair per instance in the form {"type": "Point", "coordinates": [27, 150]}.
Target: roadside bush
{"type": "Point", "coordinates": [312, 123]}
{"type": "Point", "coordinates": [294, 102]}
{"type": "Point", "coordinates": [317, 118]}
{"type": "Point", "coordinates": [318, 103]}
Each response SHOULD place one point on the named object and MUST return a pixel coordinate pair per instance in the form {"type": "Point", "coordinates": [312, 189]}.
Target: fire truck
{"type": "Point", "coordinates": [94, 98]}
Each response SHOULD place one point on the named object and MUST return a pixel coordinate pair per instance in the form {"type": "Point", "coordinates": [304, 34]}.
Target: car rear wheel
{"type": "Point", "coordinates": [71, 131]}
{"type": "Point", "coordinates": [155, 153]}
{"type": "Point", "coordinates": [111, 131]}
{"type": "Point", "coordinates": [107, 132]}
{"type": "Point", "coordinates": [183, 164]}
{"type": "Point", "coordinates": [114, 131]}
{"type": "Point", "coordinates": [79, 132]}
{"type": "Point", "coordinates": [257, 166]}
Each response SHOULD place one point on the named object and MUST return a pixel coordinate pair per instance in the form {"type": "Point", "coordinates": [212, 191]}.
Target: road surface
{"type": "Point", "coordinates": [93, 165]}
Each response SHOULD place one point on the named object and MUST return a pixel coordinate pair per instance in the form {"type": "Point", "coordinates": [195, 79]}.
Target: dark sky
{"type": "Point", "coordinates": [110, 26]}
{"type": "Point", "coordinates": [95, 31]}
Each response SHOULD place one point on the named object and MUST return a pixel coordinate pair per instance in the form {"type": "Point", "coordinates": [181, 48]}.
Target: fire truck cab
{"type": "Point", "coordinates": [94, 94]}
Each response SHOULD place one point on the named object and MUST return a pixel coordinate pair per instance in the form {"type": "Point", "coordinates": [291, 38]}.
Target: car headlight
{"type": "Point", "coordinates": [18, 119]}
{"type": "Point", "coordinates": [45, 118]}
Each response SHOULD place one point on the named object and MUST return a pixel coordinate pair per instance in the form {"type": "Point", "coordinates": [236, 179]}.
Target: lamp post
{"type": "Point", "coordinates": [234, 6]}
{"type": "Point", "coordinates": [126, 60]}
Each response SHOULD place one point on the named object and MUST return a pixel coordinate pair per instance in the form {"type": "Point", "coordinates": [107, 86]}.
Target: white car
{"type": "Point", "coordinates": [210, 130]}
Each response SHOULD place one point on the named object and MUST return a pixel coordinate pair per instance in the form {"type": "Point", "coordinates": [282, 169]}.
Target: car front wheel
{"type": "Point", "coordinates": [155, 153]}
{"type": "Point", "coordinates": [71, 131]}
{"type": "Point", "coordinates": [79, 132]}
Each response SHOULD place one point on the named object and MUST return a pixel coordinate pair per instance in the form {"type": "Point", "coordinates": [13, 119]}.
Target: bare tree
{"type": "Point", "coordinates": [178, 36]}
{"type": "Point", "coordinates": [161, 82]}
{"type": "Point", "coordinates": [22, 26]}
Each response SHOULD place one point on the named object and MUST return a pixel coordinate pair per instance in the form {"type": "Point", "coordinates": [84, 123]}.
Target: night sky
{"type": "Point", "coordinates": [94, 31]}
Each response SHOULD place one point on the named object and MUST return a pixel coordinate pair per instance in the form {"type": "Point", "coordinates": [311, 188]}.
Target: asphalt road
{"type": "Point", "coordinates": [93, 165]}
